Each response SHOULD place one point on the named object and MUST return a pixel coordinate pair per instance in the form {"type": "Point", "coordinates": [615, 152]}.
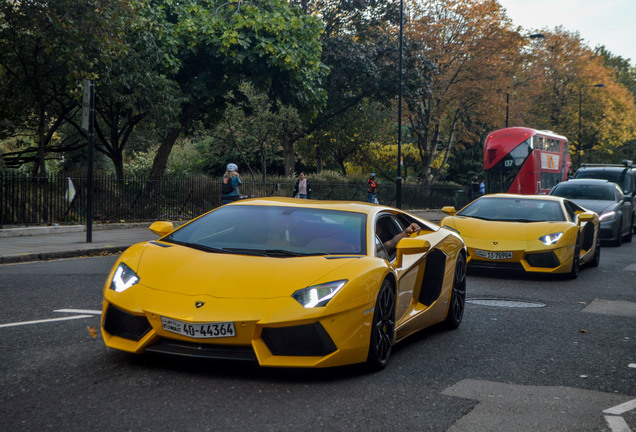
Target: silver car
{"type": "Point", "coordinates": [615, 210]}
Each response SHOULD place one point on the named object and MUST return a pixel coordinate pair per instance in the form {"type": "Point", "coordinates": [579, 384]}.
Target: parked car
{"type": "Point", "coordinates": [286, 282]}
{"type": "Point", "coordinates": [624, 175]}
{"type": "Point", "coordinates": [534, 233]}
{"type": "Point", "coordinates": [615, 210]}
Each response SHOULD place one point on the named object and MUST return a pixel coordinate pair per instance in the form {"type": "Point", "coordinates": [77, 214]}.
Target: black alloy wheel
{"type": "Point", "coordinates": [619, 235]}
{"type": "Point", "coordinates": [382, 328]}
{"type": "Point", "coordinates": [628, 237]}
{"type": "Point", "coordinates": [576, 261]}
{"type": "Point", "coordinates": [458, 295]}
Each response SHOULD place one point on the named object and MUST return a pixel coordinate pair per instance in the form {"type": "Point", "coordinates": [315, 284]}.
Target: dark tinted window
{"type": "Point", "coordinates": [386, 228]}
{"type": "Point", "coordinates": [262, 228]}
{"type": "Point", "coordinates": [514, 210]}
{"type": "Point", "coordinates": [501, 176]}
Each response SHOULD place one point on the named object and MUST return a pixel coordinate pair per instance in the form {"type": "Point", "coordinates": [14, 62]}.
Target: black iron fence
{"type": "Point", "coordinates": [26, 200]}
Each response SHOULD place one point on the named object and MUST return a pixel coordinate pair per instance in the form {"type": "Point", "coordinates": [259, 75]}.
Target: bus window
{"type": "Point", "coordinates": [501, 176]}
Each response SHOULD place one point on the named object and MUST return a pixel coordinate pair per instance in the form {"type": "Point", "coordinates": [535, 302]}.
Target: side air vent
{"type": "Point", "coordinates": [433, 277]}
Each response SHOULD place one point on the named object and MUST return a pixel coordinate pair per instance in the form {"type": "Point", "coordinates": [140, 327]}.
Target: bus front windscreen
{"type": "Point", "coordinates": [501, 176]}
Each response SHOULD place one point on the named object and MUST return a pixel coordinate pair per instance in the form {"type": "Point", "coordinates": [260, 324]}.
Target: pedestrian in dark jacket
{"type": "Point", "coordinates": [372, 189]}
{"type": "Point", "coordinates": [302, 188]}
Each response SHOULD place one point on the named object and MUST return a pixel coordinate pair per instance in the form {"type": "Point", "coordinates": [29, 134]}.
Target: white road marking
{"type": "Point", "coordinates": [631, 267]}
{"type": "Point", "coordinates": [45, 321]}
{"type": "Point", "coordinates": [617, 424]}
{"type": "Point", "coordinates": [622, 408]}
{"type": "Point", "coordinates": [80, 311]}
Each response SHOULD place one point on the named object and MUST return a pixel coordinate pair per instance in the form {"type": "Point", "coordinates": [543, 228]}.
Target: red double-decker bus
{"type": "Point", "coordinates": [525, 161]}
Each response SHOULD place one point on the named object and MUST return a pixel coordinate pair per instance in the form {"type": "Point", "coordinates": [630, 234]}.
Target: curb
{"type": "Point", "coordinates": [62, 229]}
{"type": "Point", "coordinates": [46, 256]}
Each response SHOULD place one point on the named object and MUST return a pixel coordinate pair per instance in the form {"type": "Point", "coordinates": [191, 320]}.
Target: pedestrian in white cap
{"type": "Point", "coordinates": [230, 184]}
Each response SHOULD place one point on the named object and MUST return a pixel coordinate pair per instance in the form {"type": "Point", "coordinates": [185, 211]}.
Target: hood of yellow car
{"type": "Point", "coordinates": [188, 271]}
{"type": "Point", "coordinates": [496, 235]}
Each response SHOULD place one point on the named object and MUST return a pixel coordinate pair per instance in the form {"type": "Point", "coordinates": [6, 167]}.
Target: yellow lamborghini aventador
{"type": "Point", "coordinates": [286, 282]}
{"type": "Point", "coordinates": [535, 233]}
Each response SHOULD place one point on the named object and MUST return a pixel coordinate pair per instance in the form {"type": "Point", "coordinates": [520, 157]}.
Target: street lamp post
{"type": "Point", "coordinates": [580, 145]}
{"type": "Point", "coordinates": [398, 183]}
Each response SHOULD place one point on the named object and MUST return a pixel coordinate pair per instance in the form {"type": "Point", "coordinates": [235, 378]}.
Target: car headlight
{"type": "Point", "coordinates": [318, 295]}
{"type": "Point", "coordinates": [609, 216]}
{"type": "Point", "coordinates": [550, 239]}
{"type": "Point", "coordinates": [124, 278]}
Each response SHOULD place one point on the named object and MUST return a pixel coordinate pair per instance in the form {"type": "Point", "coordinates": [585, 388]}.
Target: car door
{"type": "Point", "coordinates": [387, 227]}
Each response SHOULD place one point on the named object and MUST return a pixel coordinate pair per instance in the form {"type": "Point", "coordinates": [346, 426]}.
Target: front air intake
{"type": "Point", "coordinates": [302, 340]}
{"type": "Point", "coordinates": [122, 324]}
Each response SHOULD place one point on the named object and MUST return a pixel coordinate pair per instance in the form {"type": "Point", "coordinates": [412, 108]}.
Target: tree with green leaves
{"type": "Point", "coordinates": [133, 92]}
{"type": "Point", "coordinates": [361, 54]}
{"type": "Point", "coordinates": [217, 45]}
{"type": "Point", "coordinates": [252, 131]}
{"type": "Point", "coordinates": [46, 49]}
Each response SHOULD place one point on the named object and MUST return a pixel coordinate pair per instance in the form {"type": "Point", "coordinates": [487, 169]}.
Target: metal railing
{"type": "Point", "coordinates": [26, 200]}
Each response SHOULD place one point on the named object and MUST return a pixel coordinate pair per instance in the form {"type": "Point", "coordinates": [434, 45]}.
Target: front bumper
{"type": "Point", "coordinates": [556, 260]}
{"type": "Point", "coordinates": [310, 339]}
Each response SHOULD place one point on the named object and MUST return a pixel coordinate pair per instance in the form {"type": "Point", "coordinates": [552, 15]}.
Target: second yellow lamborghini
{"type": "Point", "coordinates": [535, 233]}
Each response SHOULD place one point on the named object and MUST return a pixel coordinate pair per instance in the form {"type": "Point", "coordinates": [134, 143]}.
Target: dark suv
{"type": "Point", "coordinates": [624, 175]}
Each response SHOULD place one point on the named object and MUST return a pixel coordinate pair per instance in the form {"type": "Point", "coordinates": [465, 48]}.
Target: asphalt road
{"type": "Point", "coordinates": [554, 364]}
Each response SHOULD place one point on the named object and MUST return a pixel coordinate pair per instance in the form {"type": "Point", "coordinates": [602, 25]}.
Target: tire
{"type": "Point", "coordinates": [382, 328]}
{"type": "Point", "coordinates": [576, 261]}
{"type": "Point", "coordinates": [627, 238]}
{"type": "Point", "coordinates": [619, 237]}
{"type": "Point", "coordinates": [596, 259]}
{"type": "Point", "coordinates": [458, 295]}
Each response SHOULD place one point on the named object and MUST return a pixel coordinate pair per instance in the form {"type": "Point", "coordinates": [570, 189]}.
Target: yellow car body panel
{"type": "Point", "coordinates": [523, 238]}
{"type": "Point", "coordinates": [188, 285]}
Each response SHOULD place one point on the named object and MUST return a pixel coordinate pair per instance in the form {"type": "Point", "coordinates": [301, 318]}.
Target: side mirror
{"type": "Point", "coordinates": [411, 246]}
{"type": "Point", "coordinates": [161, 228]}
{"type": "Point", "coordinates": [449, 210]}
{"type": "Point", "coordinates": [585, 217]}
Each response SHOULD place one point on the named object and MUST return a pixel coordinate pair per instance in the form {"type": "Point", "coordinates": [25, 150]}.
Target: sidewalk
{"type": "Point", "coordinates": [55, 242]}
{"type": "Point", "coordinates": [45, 243]}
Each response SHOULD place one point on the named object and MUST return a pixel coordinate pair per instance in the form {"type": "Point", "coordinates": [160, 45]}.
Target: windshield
{"type": "Point", "coordinates": [584, 192]}
{"type": "Point", "coordinates": [501, 176]}
{"type": "Point", "coordinates": [275, 231]}
{"type": "Point", "coordinates": [514, 210]}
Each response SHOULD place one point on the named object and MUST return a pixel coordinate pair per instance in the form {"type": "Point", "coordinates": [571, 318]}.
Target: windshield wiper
{"type": "Point", "coordinates": [257, 252]}
{"type": "Point", "coordinates": [195, 246]}
{"type": "Point", "coordinates": [478, 217]}
{"type": "Point", "coordinates": [279, 253]}
{"type": "Point", "coordinates": [283, 253]}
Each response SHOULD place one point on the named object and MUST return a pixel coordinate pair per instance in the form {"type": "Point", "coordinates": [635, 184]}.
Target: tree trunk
{"type": "Point", "coordinates": [319, 165]}
{"type": "Point", "coordinates": [161, 159]}
{"type": "Point", "coordinates": [39, 167]}
{"type": "Point", "coordinates": [288, 154]}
